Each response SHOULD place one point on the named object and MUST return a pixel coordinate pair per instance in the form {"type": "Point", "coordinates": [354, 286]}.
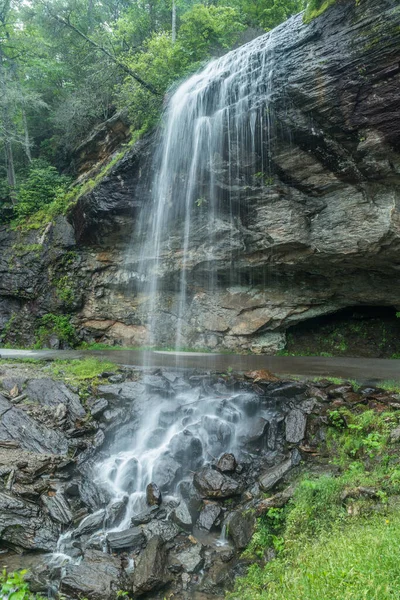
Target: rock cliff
{"type": "Point", "coordinates": [322, 234]}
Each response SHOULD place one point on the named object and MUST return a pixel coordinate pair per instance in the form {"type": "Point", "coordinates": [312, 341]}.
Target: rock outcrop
{"type": "Point", "coordinates": [322, 234]}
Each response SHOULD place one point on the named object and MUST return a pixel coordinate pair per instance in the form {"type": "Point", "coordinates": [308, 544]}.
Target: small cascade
{"type": "Point", "coordinates": [218, 128]}
{"type": "Point", "coordinates": [173, 438]}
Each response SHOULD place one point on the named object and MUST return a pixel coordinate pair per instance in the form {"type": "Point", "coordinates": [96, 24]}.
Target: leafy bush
{"type": "Point", "coordinates": [14, 587]}
{"type": "Point", "coordinates": [42, 186]}
{"type": "Point", "coordinates": [55, 325]}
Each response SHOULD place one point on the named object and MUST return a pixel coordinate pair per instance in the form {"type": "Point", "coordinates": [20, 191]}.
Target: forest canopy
{"type": "Point", "coordinates": [67, 65]}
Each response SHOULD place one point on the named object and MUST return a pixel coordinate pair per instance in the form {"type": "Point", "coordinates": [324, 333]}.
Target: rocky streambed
{"type": "Point", "coordinates": [151, 482]}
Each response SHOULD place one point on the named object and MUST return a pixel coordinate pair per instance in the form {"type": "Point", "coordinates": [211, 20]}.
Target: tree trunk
{"type": "Point", "coordinates": [7, 134]}
{"type": "Point", "coordinates": [173, 21]}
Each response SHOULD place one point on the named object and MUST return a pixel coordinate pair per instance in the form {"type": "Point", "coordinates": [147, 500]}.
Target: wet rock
{"type": "Point", "coordinates": [23, 526]}
{"type": "Point", "coordinates": [98, 408]}
{"type": "Point", "coordinates": [58, 507]}
{"type": "Point", "coordinates": [395, 435]}
{"type": "Point", "coordinates": [118, 393]}
{"type": "Point", "coordinates": [166, 530]}
{"type": "Point", "coordinates": [187, 449]}
{"type": "Point", "coordinates": [17, 426]}
{"type": "Point", "coordinates": [209, 515]}
{"type": "Point", "coordinates": [295, 424]}
{"type": "Point", "coordinates": [146, 516]}
{"type": "Point", "coordinates": [191, 558]}
{"type": "Point", "coordinates": [193, 499]}
{"type": "Point", "coordinates": [166, 472]}
{"type": "Point", "coordinates": [227, 463]}
{"type": "Point", "coordinates": [256, 430]}
{"type": "Point", "coordinates": [153, 495]}
{"type": "Point", "coordinates": [51, 393]}
{"type": "Point", "coordinates": [213, 484]}
{"type": "Point", "coordinates": [127, 475]}
{"type": "Point", "coordinates": [288, 389]}
{"type": "Point", "coordinates": [91, 495]}
{"type": "Point", "coordinates": [156, 383]}
{"type": "Point", "coordinates": [273, 475]}
{"type": "Point", "coordinates": [115, 512]}
{"type": "Point", "coordinates": [127, 538]}
{"type": "Point", "coordinates": [241, 528]}
{"type": "Point", "coordinates": [90, 523]}
{"type": "Point", "coordinates": [97, 577]}
{"type": "Point", "coordinates": [219, 432]}
{"type": "Point", "coordinates": [182, 517]}
{"type": "Point", "coordinates": [150, 572]}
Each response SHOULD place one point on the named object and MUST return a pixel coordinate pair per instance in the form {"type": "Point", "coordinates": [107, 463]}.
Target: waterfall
{"type": "Point", "coordinates": [215, 139]}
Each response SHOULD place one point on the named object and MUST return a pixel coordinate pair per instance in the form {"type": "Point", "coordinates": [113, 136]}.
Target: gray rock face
{"type": "Point", "coordinates": [97, 577]}
{"type": "Point", "coordinates": [273, 475]}
{"type": "Point", "coordinates": [17, 426]}
{"type": "Point", "coordinates": [212, 484]}
{"type": "Point", "coordinates": [328, 216]}
{"type": "Point", "coordinates": [150, 571]}
{"type": "Point", "coordinates": [23, 526]}
{"type": "Point", "coordinates": [295, 423]}
{"type": "Point", "coordinates": [241, 528]}
{"type": "Point", "coordinates": [209, 515]}
{"type": "Point", "coordinates": [191, 558]}
{"type": "Point", "coordinates": [182, 516]}
{"type": "Point", "coordinates": [128, 538]}
{"type": "Point", "coordinates": [227, 463]}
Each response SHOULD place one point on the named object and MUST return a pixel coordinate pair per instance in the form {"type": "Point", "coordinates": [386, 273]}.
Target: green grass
{"type": "Point", "coordinates": [329, 547]}
{"type": "Point", "coordinates": [79, 370]}
{"type": "Point", "coordinates": [360, 562]}
{"type": "Point", "coordinates": [390, 386]}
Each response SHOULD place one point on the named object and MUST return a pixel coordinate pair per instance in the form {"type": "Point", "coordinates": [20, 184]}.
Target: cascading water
{"type": "Point", "coordinates": [217, 122]}
{"type": "Point", "coordinates": [218, 128]}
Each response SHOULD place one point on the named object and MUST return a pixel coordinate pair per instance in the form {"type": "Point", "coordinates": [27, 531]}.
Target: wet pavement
{"type": "Point", "coordinates": [361, 369]}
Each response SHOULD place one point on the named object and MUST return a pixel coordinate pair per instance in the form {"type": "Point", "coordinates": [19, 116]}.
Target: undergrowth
{"type": "Point", "coordinates": [14, 587]}
{"type": "Point", "coordinates": [78, 370]}
{"type": "Point", "coordinates": [337, 538]}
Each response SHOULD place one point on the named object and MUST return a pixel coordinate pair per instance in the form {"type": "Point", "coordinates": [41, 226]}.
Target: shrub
{"type": "Point", "coordinates": [42, 186]}
{"type": "Point", "coordinates": [55, 325]}
{"type": "Point", "coordinates": [14, 587]}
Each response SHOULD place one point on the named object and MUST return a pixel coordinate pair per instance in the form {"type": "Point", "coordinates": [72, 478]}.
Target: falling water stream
{"type": "Point", "coordinates": [215, 139]}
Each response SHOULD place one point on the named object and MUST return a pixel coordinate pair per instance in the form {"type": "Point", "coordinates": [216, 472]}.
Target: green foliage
{"type": "Point", "coordinates": [14, 587]}
{"type": "Point", "coordinates": [267, 534]}
{"type": "Point", "coordinates": [79, 370]}
{"type": "Point", "coordinates": [42, 186]}
{"type": "Point", "coordinates": [316, 8]}
{"type": "Point", "coordinates": [359, 562]}
{"type": "Point", "coordinates": [55, 325]}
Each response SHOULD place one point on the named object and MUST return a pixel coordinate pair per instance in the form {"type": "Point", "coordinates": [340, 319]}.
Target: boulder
{"type": "Point", "coordinates": [182, 517]}
{"type": "Point", "coordinates": [150, 571]}
{"type": "Point", "coordinates": [90, 523]}
{"type": "Point", "coordinates": [153, 495]}
{"type": "Point", "coordinates": [227, 463]}
{"type": "Point", "coordinates": [241, 528]}
{"type": "Point", "coordinates": [273, 475]}
{"type": "Point", "coordinates": [166, 472]}
{"type": "Point", "coordinates": [133, 539]}
{"type": "Point", "coordinates": [213, 484]}
{"type": "Point", "coordinates": [295, 424]}
{"type": "Point", "coordinates": [209, 515]}
{"type": "Point", "coordinates": [187, 449]}
{"type": "Point", "coordinates": [97, 577]}
{"type": "Point", "coordinates": [46, 391]}
{"type": "Point", "coordinates": [191, 558]}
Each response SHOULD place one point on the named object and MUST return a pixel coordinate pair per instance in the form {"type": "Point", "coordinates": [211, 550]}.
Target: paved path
{"type": "Point", "coordinates": [361, 369]}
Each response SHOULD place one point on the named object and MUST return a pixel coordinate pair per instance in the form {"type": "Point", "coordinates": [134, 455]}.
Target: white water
{"type": "Point", "coordinates": [215, 139]}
